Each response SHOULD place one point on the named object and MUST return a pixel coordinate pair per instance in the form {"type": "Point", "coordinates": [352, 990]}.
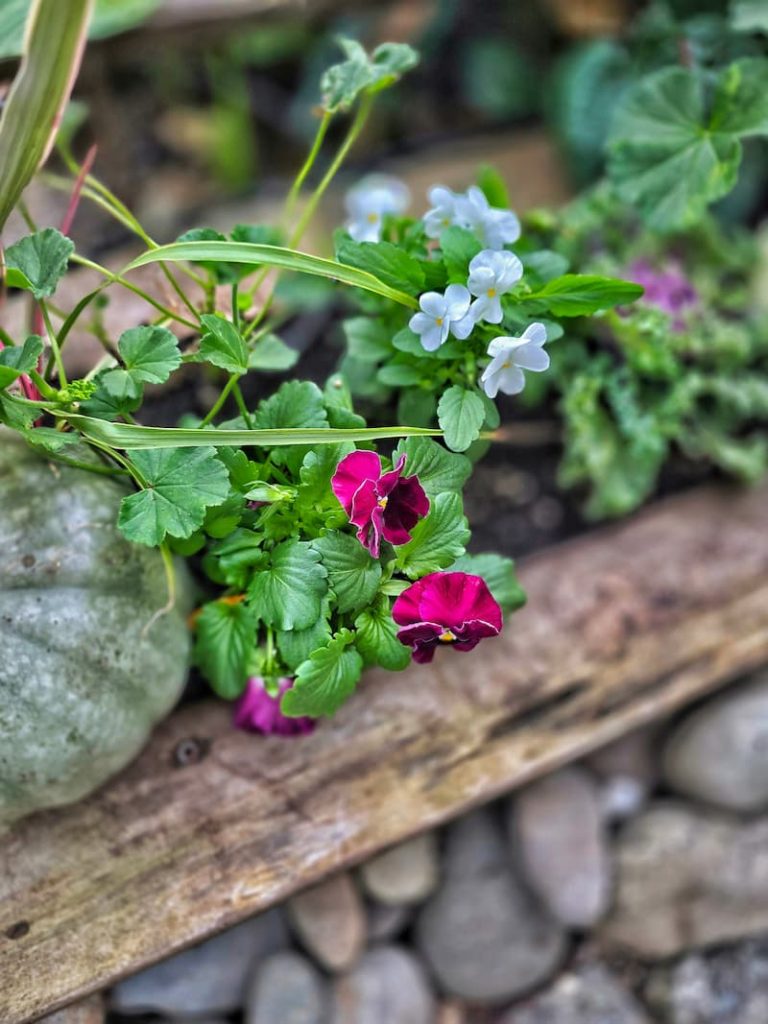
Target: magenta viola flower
{"type": "Point", "coordinates": [258, 711]}
{"type": "Point", "coordinates": [451, 608]}
{"type": "Point", "coordinates": [379, 504]}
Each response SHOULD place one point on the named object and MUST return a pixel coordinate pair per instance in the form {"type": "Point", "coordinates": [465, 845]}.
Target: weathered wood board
{"type": "Point", "coordinates": [209, 825]}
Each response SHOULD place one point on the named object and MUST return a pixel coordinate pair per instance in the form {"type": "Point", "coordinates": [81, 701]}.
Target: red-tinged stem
{"type": "Point", "coordinates": [74, 199]}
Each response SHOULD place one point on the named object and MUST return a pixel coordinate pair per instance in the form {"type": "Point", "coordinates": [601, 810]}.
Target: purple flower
{"type": "Point", "coordinates": [258, 711]}
{"type": "Point", "coordinates": [452, 608]}
{"type": "Point", "coordinates": [379, 504]}
{"type": "Point", "coordinates": [668, 289]}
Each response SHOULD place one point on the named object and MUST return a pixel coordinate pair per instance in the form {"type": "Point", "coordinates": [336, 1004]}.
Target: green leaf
{"type": "Point", "coordinates": [296, 645]}
{"type": "Point", "coordinates": [131, 437]}
{"type": "Point", "coordinates": [54, 441]}
{"type": "Point", "coordinates": [439, 471]}
{"type": "Point", "coordinates": [460, 413]}
{"type": "Point", "coordinates": [270, 256]}
{"type": "Point", "coordinates": [41, 259]}
{"type": "Point", "coordinates": [376, 638]}
{"type": "Point", "coordinates": [667, 156]}
{"type": "Point", "coordinates": [384, 261]}
{"type": "Point", "coordinates": [325, 680]}
{"type": "Point", "coordinates": [367, 339]}
{"type": "Point", "coordinates": [494, 187]}
{"type": "Point", "coordinates": [109, 18]}
{"type": "Point", "coordinates": [417, 406]}
{"type": "Point", "coordinates": [399, 375]}
{"type": "Point", "coordinates": [53, 46]}
{"type": "Point", "coordinates": [741, 98]}
{"type": "Point", "coordinates": [226, 640]}
{"type": "Point", "coordinates": [749, 16]}
{"type": "Point", "coordinates": [583, 294]}
{"type": "Point", "coordinates": [315, 474]}
{"type": "Point", "coordinates": [499, 573]}
{"type": "Point", "coordinates": [180, 486]}
{"type": "Point", "coordinates": [288, 593]}
{"type": "Point", "coordinates": [353, 575]}
{"type": "Point", "coordinates": [338, 403]}
{"type": "Point", "coordinates": [222, 346]}
{"type": "Point", "coordinates": [342, 83]}
{"type": "Point", "coordinates": [270, 353]}
{"type": "Point", "coordinates": [150, 354]}
{"type": "Point", "coordinates": [14, 361]}
{"type": "Point", "coordinates": [295, 404]}
{"type": "Point", "coordinates": [437, 541]}
{"type": "Point", "coordinates": [458, 246]}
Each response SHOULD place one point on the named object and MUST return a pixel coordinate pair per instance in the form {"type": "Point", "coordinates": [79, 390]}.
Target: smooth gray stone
{"type": "Point", "coordinates": [406, 873]}
{"type": "Point", "coordinates": [388, 986]}
{"type": "Point", "coordinates": [208, 979]}
{"type": "Point", "coordinates": [386, 923]}
{"type": "Point", "coordinates": [719, 753]}
{"type": "Point", "coordinates": [557, 829]}
{"type": "Point", "coordinates": [587, 995]}
{"type": "Point", "coordinates": [486, 938]}
{"type": "Point", "coordinates": [287, 989]}
{"type": "Point", "coordinates": [329, 919]}
{"type": "Point", "coordinates": [687, 878]}
{"type": "Point", "coordinates": [81, 685]}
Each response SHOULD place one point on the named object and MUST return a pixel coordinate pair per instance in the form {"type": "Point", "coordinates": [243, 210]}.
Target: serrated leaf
{"type": "Point", "coordinates": [386, 262]}
{"type": "Point", "coordinates": [342, 83]}
{"type": "Point", "coordinates": [296, 645]}
{"type": "Point", "coordinates": [439, 471]}
{"type": "Point", "coordinates": [270, 353]}
{"type": "Point", "coordinates": [41, 259]}
{"type": "Point", "coordinates": [740, 106]}
{"type": "Point", "coordinates": [150, 354]}
{"type": "Point", "coordinates": [297, 403]}
{"type": "Point", "coordinates": [14, 361]}
{"type": "Point", "coordinates": [399, 375]}
{"type": "Point", "coordinates": [353, 575]}
{"type": "Point", "coordinates": [226, 639]}
{"type": "Point", "coordinates": [222, 346]}
{"type": "Point", "coordinates": [436, 541]}
{"type": "Point", "coordinates": [583, 294]}
{"type": "Point", "coordinates": [180, 485]}
{"type": "Point", "coordinates": [376, 638]}
{"type": "Point", "coordinates": [325, 680]}
{"type": "Point", "coordinates": [367, 339]}
{"type": "Point", "coordinates": [317, 468]}
{"type": "Point", "coordinates": [288, 593]}
{"type": "Point", "coordinates": [499, 573]}
{"type": "Point", "coordinates": [458, 246]}
{"type": "Point", "coordinates": [460, 414]}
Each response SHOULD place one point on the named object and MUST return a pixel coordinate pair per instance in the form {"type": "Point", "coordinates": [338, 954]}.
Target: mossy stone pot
{"type": "Point", "coordinates": [82, 678]}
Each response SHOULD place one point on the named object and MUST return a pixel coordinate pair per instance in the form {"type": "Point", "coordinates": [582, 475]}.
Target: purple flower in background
{"type": "Point", "coordinates": [668, 289]}
{"type": "Point", "coordinates": [455, 609]}
{"type": "Point", "coordinates": [379, 504]}
{"type": "Point", "coordinates": [258, 711]}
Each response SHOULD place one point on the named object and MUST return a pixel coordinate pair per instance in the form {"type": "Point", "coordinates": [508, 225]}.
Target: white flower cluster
{"type": "Point", "coordinates": [492, 273]}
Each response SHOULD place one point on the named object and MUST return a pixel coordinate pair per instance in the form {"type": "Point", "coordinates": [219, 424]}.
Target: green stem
{"type": "Point", "coordinates": [216, 407]}
{"type": "Point", "coordinates": [235, 308]}
{"type": "Point", "coordinates": [89, 466]}
{"type": "Point", "coordinates": [170, 579]}
{"type": "Point", "coordinates": [242, 407]}
{"type": "Point", "coordinates": [301, 177]}
{"type": "Point", "coordinates": [56, 352]}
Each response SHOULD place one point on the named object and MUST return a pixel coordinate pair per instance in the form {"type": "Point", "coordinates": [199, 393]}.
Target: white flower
{"type": "Point", "coordinates": [510, 356]}
{"type": "Point", "coordinates": [492, 273]}
{"type": "Point", "coordinates": [368, 203]}
{"type": "Point", "coordinates": [439, 314]}
{"type": "Point", "coordinates": [494, 227]}
{"type": "Point", "coordinates": [444, 211]}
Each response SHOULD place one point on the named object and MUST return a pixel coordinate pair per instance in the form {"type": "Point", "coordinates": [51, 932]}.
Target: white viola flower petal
{"type": "Point", "coordinates": [457, 300]}
{"type": "Point", "coordinates": [421, 322]}
{"type": "Point", "coordinates": [510, 271]}
{"type": "Point", "coordinates": [369, 201]}
{"type": "Point", "coordinates": [535, 333]}
{"type": "Point", "coordinates": [490, 384]}
{"type": "Point", "coordinates": [481, 278]}
{"type": "Point", "coordinates": [433, 303]}
{"type": "Point", "coordinates": [477, 199]}
{"type": "Point", "coordinates": [442, 213]}
{"type": "Point", "coordinates": [531, 357]}
{"type": "Point", "coordinates": [434, 336]}
{"type": "Point", "coordinates": [462, 328]}
{"type": "Point", "coordinates": [492, 311]}
{"type": "Point", "coordinates": [499, 345]}
{"type": "Point", "coordinates": [367, 229]}
{"type": "Point", "coordinates": [511, 380]}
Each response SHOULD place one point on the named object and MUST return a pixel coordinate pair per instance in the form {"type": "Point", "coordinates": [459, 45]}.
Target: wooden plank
{"type": "Point", "coordinates": [209, 825]}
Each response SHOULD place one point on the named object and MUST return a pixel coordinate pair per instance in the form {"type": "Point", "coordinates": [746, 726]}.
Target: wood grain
{"type": "Point", "coordinates": [623, 626]}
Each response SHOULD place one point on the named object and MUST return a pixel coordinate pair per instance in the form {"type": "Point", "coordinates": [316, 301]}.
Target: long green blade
{"type": "Point", "coordinates": [53, 46]}
{"type": "Point", "coordinates": [129, 436]}
{"type": "Point", "coordinates": [271, 256]}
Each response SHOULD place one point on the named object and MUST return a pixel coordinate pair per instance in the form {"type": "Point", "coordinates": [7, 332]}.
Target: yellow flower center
{"type": "Point", "coordinates": [439, 321]}
{"type": "Point", "coordinates": [491, 293]}
{"type": "Point", "coordinates": [382, 502]}
{"type": "Point", "coordinates": [373, 218]}
{"type": "Point", "coordinates": [446, 637]}
{"type": "Point", "coordinates": [506, 366]}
